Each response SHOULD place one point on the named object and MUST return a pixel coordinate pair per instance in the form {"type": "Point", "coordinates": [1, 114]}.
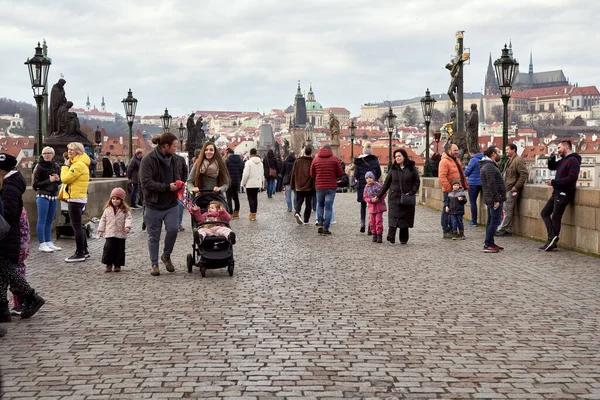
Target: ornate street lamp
{"type": "Point", "coordinates": [391, 125]}
{"type": "Point", "coordinates": [505, 67]}
{"type": "Point", "coordinates": [38, 75]}
{"type": "Point", "coordinates": [166, 120]}
{"type": "Point", "coordinates": [352, 129]}
{"type": "Point", "coordinates": [130, 104]}
{"type": "Point", "coordinates": [181, 130]}
{"type": "Point", "coordinates": [437, 135]}
{"type": "Point", "coordinates": [427, 104]}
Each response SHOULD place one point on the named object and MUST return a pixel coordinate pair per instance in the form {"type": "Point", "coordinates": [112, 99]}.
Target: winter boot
{"type": "Point", "coordinates": [455, 235]}
{"type": "Point", "coordinates": [369, 231]}
{"type": "Point", "coordinates": [374, 239]}
{"type": "Point", "coordinates": [379, 237]}
{"type": "Point", "coordinates": [4, 312]}
{"type": "Point", "coordinates": [33, 302]}
{"type": "Point", "coordinates": [362, 226]}
{"type": "Point", "coordinates": [461, 235]}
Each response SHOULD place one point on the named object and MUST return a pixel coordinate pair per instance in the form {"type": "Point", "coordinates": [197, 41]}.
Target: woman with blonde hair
{"type": "Point", "coordinates": [209, 171]}
{"type": "Point", "coordinates": [75, 176]}
{"type": "Point", "coordinates": [46, 182]}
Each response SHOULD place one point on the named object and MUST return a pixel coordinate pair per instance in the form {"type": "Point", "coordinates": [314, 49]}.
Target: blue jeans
{"type": "Point", "coordinates": [457, 222]}
{"type": "Point", "coordinates": [288, 198]}
{"type": "Point", "coordinates": [134, 194]}
{"type": "Point", "coordinates": [325, 200]}
{"type": "Point", "coordinates": [474, 191]}
{"type": "Point", "coordinates": [271, 185]}
{"type": "Point", "coordinates": [46, 209]}
{"type": "Point", "coordinates": [493, 222]}
{"type": "Point", "coordinates": [180, 215]}
{"type": "Point", "coordinates": [446, 227]}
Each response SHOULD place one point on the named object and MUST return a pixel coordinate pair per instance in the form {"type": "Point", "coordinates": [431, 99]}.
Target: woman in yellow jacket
{"type": "Point", "coordinates": [75, 176]}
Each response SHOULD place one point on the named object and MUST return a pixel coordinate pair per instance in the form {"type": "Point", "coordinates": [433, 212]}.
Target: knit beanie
{"type": "Point", "coordinates": [455, 182]}
{"type": "Point", "coordinates": [8, 162]}
{"type": "Point", "coordinates": [370, 174]}
{"type": "Point", "coordinates": [118, 192]}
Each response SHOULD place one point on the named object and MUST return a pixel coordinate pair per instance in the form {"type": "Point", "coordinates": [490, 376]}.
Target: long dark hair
{"type": "Point", "coordinates": [223, 176]}
{"type": "Point", "coordinates": [407, 162]}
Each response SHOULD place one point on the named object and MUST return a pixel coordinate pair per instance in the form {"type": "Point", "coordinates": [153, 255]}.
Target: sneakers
{"type": "Point", "coordinates": [298, 219]}
{"type": "Point", "coordinates": [231, 237]}
{"type": "Point", "coordinates": [503, 233]}
{"type": "Point", "coordinates": [18, 310]}
{"type": "Point", "coordinates": [490, 249]}
{"type": "Point", "coordinates": [543, 247]}
{"type": "Point", "coordinates": [326, 232]}
{"type": "Point", "coordinates": [75, 258]}
{"type": "Point", "coordinates": [391, 239]}
{"type": "Point", "coordinates": [45, 249]}
{"type": "Point", "coordinates": [33, 303]}
{"type": "Point", "coordinates": [86, 254]}
{"type": "Point", "coordinates": [317, 223]}
{"type": "Point", "coordinates": [53, 246]}
{"type": "Point", "coordinates": [374, 238]}
{"type": "Point", "coordinates": [168, 263]}
{"type": "Point", "coordinates": [236, 214]}
{"type": "Point", "coordinates": [500, 248]}
{"type": "Point", "coordinates": [552, 244]}
{"type": "Point", "coordinates": [320, 230]}
{"type": "Point", "coordinates": [117, 269]}
{"type": "Point", "coordinates": [448, 235]}
{"type": "Point", "coordinates": [155, 271]}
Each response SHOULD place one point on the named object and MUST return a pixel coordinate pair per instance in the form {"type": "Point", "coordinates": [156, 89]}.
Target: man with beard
{"type": "Point", "coordinates": [494, 194]}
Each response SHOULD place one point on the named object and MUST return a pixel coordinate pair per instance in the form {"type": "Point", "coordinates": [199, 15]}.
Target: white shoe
{"type": "Point", "coordinates": [45, 249]}
{"type": "Point", "coordinates": [52, 246]}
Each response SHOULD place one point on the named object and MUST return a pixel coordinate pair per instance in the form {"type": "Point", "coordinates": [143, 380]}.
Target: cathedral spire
{"type": "Point", "coordinates": [510, 50]}
{"type": "Point", "coordinates": [103, 105]}
{"type": "Point", "coordinates": [530, 62]}
{"type": "Point", "coordinates": [299, 91]}
{"type": "Point", "coordinates": [491, 84]}
{"type": "Point", "coordinates": [87, 103]}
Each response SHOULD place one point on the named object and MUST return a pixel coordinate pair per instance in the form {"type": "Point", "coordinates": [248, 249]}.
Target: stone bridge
{"type": "Point", "coordinates": [313, 317]}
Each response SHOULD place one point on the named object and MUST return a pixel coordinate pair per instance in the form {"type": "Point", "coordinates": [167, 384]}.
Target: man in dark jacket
{"type": "Point", "coordinates": [11, 194]}
{"type": "Point", "coordinates": [235, 166]}
{"type": "Point", "coordinates": [107, 168]}
{"type": "Point", "coordinates": [325, 169]}
{"type": "Point", "coordinates": [564, 184]}
{"type": "Point", "coordinates": [159, 173]}
{"type": "Point", "coordinates": [303, 185]}
{"type": "Point", "coordinates": [133, 170]}
{"type": "Point", "coordinates": [494, 194]}
{"type": "Point", "coordinates": [286, 172]}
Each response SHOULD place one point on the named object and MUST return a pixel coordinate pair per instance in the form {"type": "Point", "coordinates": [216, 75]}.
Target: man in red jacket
{"type": "Point", "coordinates": [325, 169]}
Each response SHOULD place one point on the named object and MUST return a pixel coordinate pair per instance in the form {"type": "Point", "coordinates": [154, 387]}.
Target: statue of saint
{"type": "Point", "coordinates": [454, 67]}
{"type": "Point", "coordinates": [200, 135]}
{"type": "Point", "coordinates": [286, 147]}
{"type": "Point", "coordinates": [334, 127]}
{"type": "Point", "coordinates": [57, 99]}
{"type": "Point", "coordinates": [191, 133]}
{"type": "Point", "coordinates": [473, 130]}
{"type": "Point", "coordinates": [69, 123]}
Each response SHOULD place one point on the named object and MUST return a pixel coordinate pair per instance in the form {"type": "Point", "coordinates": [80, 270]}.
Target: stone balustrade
{"type": "Point", "coordinates": [580, 223]}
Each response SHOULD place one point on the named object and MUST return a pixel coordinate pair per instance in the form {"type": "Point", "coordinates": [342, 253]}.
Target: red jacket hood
{"type": "Point", "coordinates": [325, 153]}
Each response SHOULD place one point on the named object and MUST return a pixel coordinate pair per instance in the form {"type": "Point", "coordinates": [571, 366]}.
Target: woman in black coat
{"type": "Point", "coordinates": [270, 163]}
{"type": "Point", "coordinates": [403, 178]}
{"type": "Point", "coordinates": [46, 182]}
{"type": "Point", "coordinates": [364, 163]}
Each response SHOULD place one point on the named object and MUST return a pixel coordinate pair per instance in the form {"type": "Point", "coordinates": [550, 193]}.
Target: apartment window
{"type": "Point", "coordinates": [541, 107]}
{"type": "Point", "coordinates": [551, 107]}
{"type": "Point", "coordinates": [577, 102]}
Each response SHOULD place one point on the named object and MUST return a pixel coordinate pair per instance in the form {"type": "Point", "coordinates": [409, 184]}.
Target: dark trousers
{"type": "Point", "coordinates": [9, 274]}
{"type": "Point", "coordinates": [233, 197]}
{"type": "Point", "coordinates": [252, 194]}
{"type": "Point", "coordinates": [404, 234]}
{"type": "Point", "coordinates": [135, 193]}
{"type": "Point", "coordinates": [304, 197]}
{"type": "Point", "coordinates": [114, 252]}
{"type": "Point", "coordinates": [552, 213]}
{"type": "Point", "coordinates": [446, 226]}
{"type": "Point", "coordinates": [75, 214]}
{"type": "Point", "coordinates": [493, 222]}
{"type": "Point", "coordinates": [474, 191]}
{"type": "Point", "coordinates": [363, 212]}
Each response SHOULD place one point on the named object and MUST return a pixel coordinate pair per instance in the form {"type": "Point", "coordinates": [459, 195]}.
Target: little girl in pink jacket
{"type": "Point", "coordinates": [216, 213]}
{"type": "Point", "coordinates": [376, 208]}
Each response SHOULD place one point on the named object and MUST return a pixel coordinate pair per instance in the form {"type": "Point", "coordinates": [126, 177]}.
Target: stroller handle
{"type": "Point", "coordinates": [206, 191]}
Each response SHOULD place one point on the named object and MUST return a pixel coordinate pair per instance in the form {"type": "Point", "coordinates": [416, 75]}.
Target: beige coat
{"type": "Point", "coordinates": [515, 174]}
{"type": "Point", "coordinates": [113, 225]}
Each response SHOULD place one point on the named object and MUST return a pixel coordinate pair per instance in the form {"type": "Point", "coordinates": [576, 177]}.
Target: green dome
{"type": "Point", "coordinates": [313, 105]}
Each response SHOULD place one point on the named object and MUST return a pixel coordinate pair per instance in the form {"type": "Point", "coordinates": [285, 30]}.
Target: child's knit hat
{"type": "Point", "coordinates": [118, 192]}
{"type": "Point", "coordinates": [456, 181]}
{"type": "Point", "coordinates": [370, 174]}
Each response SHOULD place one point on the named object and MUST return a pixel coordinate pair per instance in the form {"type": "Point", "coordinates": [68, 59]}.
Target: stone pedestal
{"type": "Point", "coordinates": [335, 147]}
{"type": "Point", "coordinates": [297, 138]}
{"type": "Point", "coordinates": [59, 144]}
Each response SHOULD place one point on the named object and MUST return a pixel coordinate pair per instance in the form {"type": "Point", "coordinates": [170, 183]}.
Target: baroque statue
{"type": "Point", "coordinates": [473, 130]}
{"type": "Point", "coordinates": [334, 127]}
{"type": "Point", "coordinates": [454, 67]}
{"type": "Point", "coordinates": [68, 123]}
{"type": "Point", "coordinates": [57, 99]}
{"type": "Point", "coordinates": [191, 133]}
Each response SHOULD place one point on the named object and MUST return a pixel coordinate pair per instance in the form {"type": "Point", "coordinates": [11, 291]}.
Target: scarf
{"type": "Point", "coordinates": [210, 169]}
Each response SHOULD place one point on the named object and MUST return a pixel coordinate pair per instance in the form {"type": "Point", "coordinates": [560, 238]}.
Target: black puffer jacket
{"type": "Point", "coordinates": [41, 177]}
{"type": "Point", "coordinates": [398, 181]}
{"type": "Point", "coordinates": [492, 183]}
{"type": "Point", "coordinates": [270, 161]}
{"type": "Point", "coordinates": [362, 165]}
{"type": "Point", "coordinates": [286, 171]}
{"type": "Point", "coordinates": [12, 199]}
{"type": "Point", "coordinates": [235, 166]}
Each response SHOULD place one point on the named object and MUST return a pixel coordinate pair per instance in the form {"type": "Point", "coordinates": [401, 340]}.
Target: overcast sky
{"type": "Point", "coordinates": [248, 55]}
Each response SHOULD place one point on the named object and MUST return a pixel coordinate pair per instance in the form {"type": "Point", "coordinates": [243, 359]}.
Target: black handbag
{"type": "Point", "coordinates": [407, 199]}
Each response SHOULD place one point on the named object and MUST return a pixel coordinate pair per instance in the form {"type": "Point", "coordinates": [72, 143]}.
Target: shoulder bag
{"type": "Point", "coordinates": [272, 171]}
{"type": "Point", "coordinates": [407, 199]}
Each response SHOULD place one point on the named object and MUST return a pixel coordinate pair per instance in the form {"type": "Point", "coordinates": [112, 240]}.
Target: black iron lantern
{"type": "Point", "coordinates": [352, 129]}
{"type": "Point", "coordinates": [427, 104]}
{"type": "Point", "coordinates": [166, 120]}
{"type": "Point", "coordinates": [391, 126]}
{"type": "Point", "coordinates": [38, 71]}
{"type": "Point", "coordinates": [130, 104]}
{"type": "Point", "coordinates": [505, 67]}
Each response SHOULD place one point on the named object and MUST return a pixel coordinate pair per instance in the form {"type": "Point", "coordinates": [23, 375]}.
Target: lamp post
{"type": "Point", "coordinates": [97, 140]}
{"type": "Point", "coordinates": [505, 68]}
{"type": "Point", "coordinates": [427, 104]}
{"type": "Point", "coordinates": [391, 124]}
{"type": "Point", "coordinates": [181, 130]}
{"type": "Point", "coordinates": [436, 138]}
{"type": "Point", "coordinates": [166, 121]}
{"type": "Point", "coordinates": [130, 104]}
{"type": "Point", "coordinates": [38, 75]}
{"type": "Point", "coordinates": [352, 129]}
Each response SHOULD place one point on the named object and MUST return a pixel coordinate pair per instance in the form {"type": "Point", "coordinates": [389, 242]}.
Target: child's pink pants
{"type": "Point", "coordinates": [376, 223]}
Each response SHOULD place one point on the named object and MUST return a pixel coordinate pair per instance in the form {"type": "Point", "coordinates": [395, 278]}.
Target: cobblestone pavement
{"type": "Point", "coordinates": [307, 316]}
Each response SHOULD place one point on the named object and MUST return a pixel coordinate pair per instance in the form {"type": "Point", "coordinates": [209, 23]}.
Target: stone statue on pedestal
{"type": "Point", "coordinates": [473, 130]}
{"type": "Point", "coordinates": [68, 124]}
{"type": "Point", "coordinates": [334, 127]}
{"type": "Point", "coordinates": [57, 99]}
{"type": "Point", "coordinates": [191, 133]}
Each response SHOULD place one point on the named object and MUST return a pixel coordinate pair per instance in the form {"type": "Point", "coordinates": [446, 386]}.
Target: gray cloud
{"type": "Point", "coordinates": [248, 55]}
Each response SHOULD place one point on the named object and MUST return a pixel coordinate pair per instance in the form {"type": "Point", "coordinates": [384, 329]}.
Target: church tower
{"type": "Point", "coordinates": [491, 84]}
{"type": "Point", "coordinates": [298, 125]}
{"type": "Point", "coordinates": [531, 64]}
{"type": "Point", "coordinates": [103, 105]}
{"type": "Point", "coordinates": [88, 106]}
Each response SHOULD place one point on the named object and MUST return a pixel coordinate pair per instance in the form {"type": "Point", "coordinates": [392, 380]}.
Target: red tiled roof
{"type": "Point", "coordinates": [530, 152]}
{"type": "Point", "coordinates": [585, 91]}
{"type": "Point", "coordinates": [337, 109]}
{"type": "Point", "coordinates": [559, 91]}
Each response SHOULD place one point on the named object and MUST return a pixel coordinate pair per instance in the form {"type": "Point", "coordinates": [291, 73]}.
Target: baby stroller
{"type": "Point", "coordinates": [214, 251]}
{"type": "Point", "coordinates": [64, 228]}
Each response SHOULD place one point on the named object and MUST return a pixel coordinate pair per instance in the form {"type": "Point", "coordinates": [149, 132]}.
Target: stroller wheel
{"type": "Point", "coordinates": [230, 268]}
{"type": "Point", "coordinates": [190, 263]}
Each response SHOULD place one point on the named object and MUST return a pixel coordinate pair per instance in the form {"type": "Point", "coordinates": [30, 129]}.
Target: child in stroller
{"type": "Point", "coordinates": [215, 213]}
{"type": "Point", "coordinates": [213, 237]}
